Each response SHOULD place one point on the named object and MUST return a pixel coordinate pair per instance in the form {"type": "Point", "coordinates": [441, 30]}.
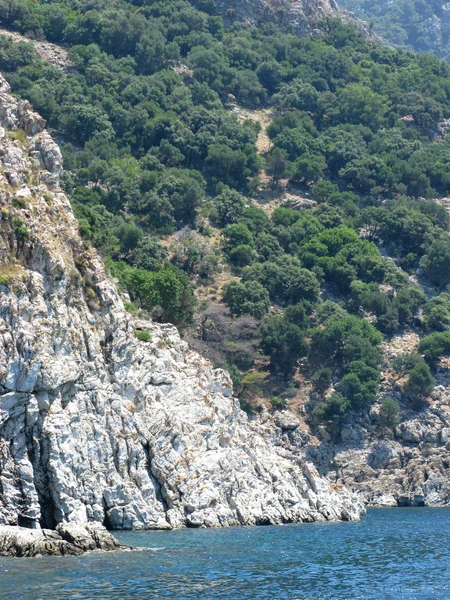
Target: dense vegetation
{"type": "Point", "coordinates": [161, 175]}
{"type": "Point", "coordinates": [420, 25]}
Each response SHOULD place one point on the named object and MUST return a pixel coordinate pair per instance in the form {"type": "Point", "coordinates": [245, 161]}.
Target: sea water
{"type": "Point", "coordinates": [392, 553]}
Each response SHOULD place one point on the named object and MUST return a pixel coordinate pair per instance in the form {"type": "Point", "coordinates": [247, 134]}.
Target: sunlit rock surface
{"type": "Point", "coordinates": [97, 426]}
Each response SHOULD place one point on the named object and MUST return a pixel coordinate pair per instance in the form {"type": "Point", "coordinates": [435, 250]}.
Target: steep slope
{"type": "Point", "coordinates": [96, 425]}
{"type": "Point", "coordinates": [422, 26]}
{"type": "Point", "coordinates": [297, 14]}
{"type": "Point", "coordinates": [56, 55]}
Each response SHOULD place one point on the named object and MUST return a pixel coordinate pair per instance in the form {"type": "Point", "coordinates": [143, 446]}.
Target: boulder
{"type": "Point", "coordinates": [68, 539]}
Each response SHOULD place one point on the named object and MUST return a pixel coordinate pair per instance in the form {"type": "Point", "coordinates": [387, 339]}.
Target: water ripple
{"type": "Point", "coordinates": [393, 554]}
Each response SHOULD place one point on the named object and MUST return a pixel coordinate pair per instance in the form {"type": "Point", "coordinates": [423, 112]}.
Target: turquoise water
{"type": "Point", "coordinates": [391, 553]}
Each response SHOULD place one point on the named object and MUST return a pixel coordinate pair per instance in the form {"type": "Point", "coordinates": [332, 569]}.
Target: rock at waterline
{"type": "Point", "coordinates": [70, 539]}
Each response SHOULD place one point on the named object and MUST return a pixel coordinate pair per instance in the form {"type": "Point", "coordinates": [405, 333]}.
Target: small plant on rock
{"type": "Point", "coordinates": [143, 335]}
{"type": "Point", "coordinates": [19, 202]}
{"type": "Point", "coordinates": [20, 230]}
{"type": "Point", "coordinates": [278, 403]}
{"type": "Point", "coordinates": [130, 308]}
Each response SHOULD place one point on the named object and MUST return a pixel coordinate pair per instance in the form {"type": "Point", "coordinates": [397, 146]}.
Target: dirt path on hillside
{"type": "Point", "coordinates": [264, 116]}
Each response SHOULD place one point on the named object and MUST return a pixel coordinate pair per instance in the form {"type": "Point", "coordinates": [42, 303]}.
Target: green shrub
{"type": "Point", "coordinates": [130, 307]}
{"type": "Point", "coordinates": [19, 202]}
{"type": "Point", "coordinates": [143, 335]}
{"type": "Point", "coordinates": [242, 255]}
{"type": "Point", "coordinates": [390, 412]}
{"type": "Point", "coordinates": [435, 345]}
{"type": "Point", "coordinates": [246, 298]}
{"type": "Point", "coordinates": [333, 409]}
{"type": "Point", "coordinates": [421, 381]}
{"type": "Point", "coordinates": [322, 378]}
{"type": "Point", "coordinates": [251, 382]}
{"type": "Point", "coordinates": [278, 403]}
{"type": "Point", "coordinates": [5, 279]}
{"type": "Point", "coordinates": [20, 230]}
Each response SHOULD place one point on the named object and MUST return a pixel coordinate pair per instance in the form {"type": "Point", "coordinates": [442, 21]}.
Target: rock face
{"type": "Point", "coordinates": [408, 465]}
{"type": "Point", "coordinates": [95, 425]}
{"type": "Point", "coordinates": [68, 539]}
{"type": "Point", "coordinates": [296, 14]}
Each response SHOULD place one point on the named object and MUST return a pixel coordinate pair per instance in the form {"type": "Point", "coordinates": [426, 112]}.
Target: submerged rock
{"type": "Point", "coordinates": [68, 539]}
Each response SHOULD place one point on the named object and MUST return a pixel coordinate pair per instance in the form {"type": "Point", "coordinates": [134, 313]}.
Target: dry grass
{"type": "Point", "coordinates": [9, 272]}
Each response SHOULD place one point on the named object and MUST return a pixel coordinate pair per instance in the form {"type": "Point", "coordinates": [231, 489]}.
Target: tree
{"type": "Point", "coordinates": [248, 89]}
{"type": "Point", "coordinates": [268, 247]}
{"type": "Point", "coordinates": [284, 342]}
{"type": "Point", "coordinates": [436, 312]}
{"type": "Point", "coordinates": [322, 378]}
{"type": "Point", "coordinates": [251, 382]}
{"type": "Point", "coordinates": [435, 345]}
{"type": "Point", "coordinates": [421, 381]}
{"type": "Point", "coordinates": [346, 340]}
{"type": "Point", "coordinates": [128, 234]}
{"type": "Point", "coordinates": [270, 74]}
{"type": "Point", "coordinates": [436, 262]}
{"type": "Point", "coordinates": [84, 122]}
{"type": "Point", "coordinates": [333, 409]}
{"type": "Point", "coordinates": [285, 280]}
{"type": "Point", "coordinates": [296, 314]}
{"type": "Point", "coordinates": [390, 413]}
{"type": "Point", "coordinates": [255, 219]}
{"type": "Point", "coordinates": [226, 165]}
{"type": "Point", "coordinates": [359, 104]}
{"type": "Point", "coordinates": [323, 190]}
{"type": "Point", "coordinates": [308, 169]}
{"type": "Point", "coordinates": [229, 205]}
{"type": "Point", "coordinates": [297, 94]}
{"type": "Point", "coordinates": [149, 254]}
{"type": "Point", "coordinates": [237, 234]}
{"type": "Point", "coordinates": [184, 190]}
{"type": "Point", "coordinates": [276, 165]}
{"type": "Point", "coordinates": [242, 255]}
{"type": "Point", "coordinates": [167, 293]}
{"type": "Point", "coordinates": [360, 384]}
{"type": "Point", "coordinates": [246, 298]}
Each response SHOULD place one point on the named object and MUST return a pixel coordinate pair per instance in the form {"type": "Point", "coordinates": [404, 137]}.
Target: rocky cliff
{"type": "Point", "coordinates": [68, 539]}
{"type": "Point", "coordinates": [296, 14]}
{"type": "Point", "coordinates": [406, 465]}
{"type": "Point", "coordinates": [96, 425]}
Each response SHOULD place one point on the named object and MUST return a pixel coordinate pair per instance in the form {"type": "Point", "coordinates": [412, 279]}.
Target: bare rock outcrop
{"type": "Point", "coordinates": [97, 426]}
{"type": "Point", "coordinates": [406, 465]}
{"type": "Point", "coordinates": [68, 539]}
{"type": "Point", "coordinates": [299, 15]}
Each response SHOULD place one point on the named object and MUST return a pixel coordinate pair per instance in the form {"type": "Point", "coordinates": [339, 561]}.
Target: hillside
{"type": "Point", "coordinates": [279, 198]}
{"type": "Point", "coordinates": [109, 419]}
{"type": "Point", "coordinates": [422, 26]}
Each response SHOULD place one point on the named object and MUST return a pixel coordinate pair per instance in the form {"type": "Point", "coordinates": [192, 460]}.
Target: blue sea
{"type": "Point", "coordinates": [392, 553]}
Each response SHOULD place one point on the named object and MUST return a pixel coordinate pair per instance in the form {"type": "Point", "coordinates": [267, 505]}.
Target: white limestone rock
{"type": "Point", "coordinates": [66, 540]}
{"type": "Point", "coordinates": [96, 426]}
